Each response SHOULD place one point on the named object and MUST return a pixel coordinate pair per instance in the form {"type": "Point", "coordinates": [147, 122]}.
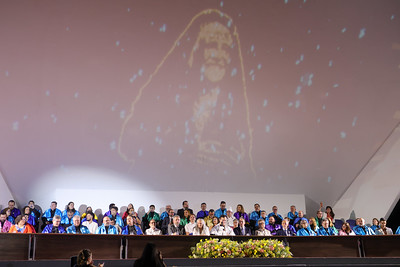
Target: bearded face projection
{"type": "Point", "coordinates": [192, 114]}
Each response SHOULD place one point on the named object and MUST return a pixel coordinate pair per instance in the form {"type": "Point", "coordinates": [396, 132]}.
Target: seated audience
{"type": "Point", "coordinates": [346, 229]}
{"type": "Point", "coordinates": [94, 216]}
{"type": "Point", "coordinates": [241, 213]}
{"type": "Point", "coordinates": [131, 228]}
{"type": "Point", "coordinates": [55, 227]}
{"type": "Point", "coordinates": [313, 224]}
{"type": "Point", "coordinates": [176, 228]}
{"type": "Point", "coordinates": [221, 211]}
{"type": "Point", "coordinates": [5, 224]}
{"type": "Point", "coordinates": [235, 223]}
{"type": "Point", "coordinates": [215, 222]}
{"type": "Point", "coordinates": [186, 217]}
{"type": "Point", "coordinates": [27, 211]}
{"type": "Point", "coordinates": [254, 217]}
{"type": "Point", "coordinates": [126, 213]}
{"type": "Point", "coordinates": [109, 209]}
{"type": "Point", "coordinates": [383, 230]}
{"type": "Point", "coordinates": [305, 229]}
{"type": "Point", "coordinates": [286, 229]}
{"type": "Point", "coordinates": [222, 228]}
{"type": "Point", "coordinates": [261, 229]}
{"type": "Point", "coordinates": [292, 214]}
{"type": "Point", "coordinates": [167, 221]}
{"type": "Point", "coordinates": [229, 217]}
{"type": "Point", "coordinates": [209, 219]}
{"type": "Point", "coordinates": [361, 228]}
{"type": "Point", "coordinates": [14, 212]}
{"type": "Point", "coordinates": [165, 214]}
{"type": "Point", "coordinates": [85, 259]}
{"type": "Point", "coordinates": [70, 207]}
{"type": "Point", "coordinates": [90, 223]}
{"type": "Point", "coordinates": [185, 206]}
{"type": "Point", "coordinates": [113, 223]}
{"type": "Point", "coordinates": [242, 229]}
{"type": "Point", "coordinates": [153, 230]}
{"type": "Point", "coordinates": [21, 226]}
{"type": "Point", "coordinates": [67, 220]}
{"type": "Point", "coordinates": [272, 226]}
{"type": "Point", "coordinates": [278, 218]}
{"type": "Point", "coordinates": [151, 256]}
{"type": "Point", "coordinates": [190, 226]}
{"type": "Point", "coordinates": [77, 228]}
{"type": "Point", "coordinates": [49, 214]}
{"type": "Point", "coordinates": [297, 221]}
{"type": "Point", "coordinates": [203, 212]}
{"type": "Point", "coordinates": [10, 218]}
{"type": "Point", "coordinates": [319, 218]}
{"type": "Point", "coordinates": [151, 214]}
{"type": "Point", "coordinates": [375, 224]}
{"type": "Point", "coordinates": [35, 212]}
{"type": "Point", "coordinates": [115, 216]}
{"type": "Point", "coordinates": [106, 228]}
{"type": "Point", "coordinates": [326, 229]}
{"type": "Point", "coordinates": [201, 228]}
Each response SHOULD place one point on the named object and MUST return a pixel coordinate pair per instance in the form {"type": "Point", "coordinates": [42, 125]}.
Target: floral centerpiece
{"type": "Point", "coordinates": [225, 248]}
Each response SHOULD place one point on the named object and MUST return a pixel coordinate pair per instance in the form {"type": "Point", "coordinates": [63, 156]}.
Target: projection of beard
{"type": "Point", "coordinates": [191, 117]}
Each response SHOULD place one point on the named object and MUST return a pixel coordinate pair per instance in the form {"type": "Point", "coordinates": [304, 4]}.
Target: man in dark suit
{"type": "Point", "coordinates": [167, 221]}
{"type": "Point", "coordinates": [185, 206]}
{"type": "Point", "coordinates": [286, 229]}
{"type": "Point", "coordinates": [242, 229]}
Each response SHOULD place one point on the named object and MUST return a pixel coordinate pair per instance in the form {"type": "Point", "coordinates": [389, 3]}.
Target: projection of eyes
{"type": "Point", "coordinates": [193, 112]}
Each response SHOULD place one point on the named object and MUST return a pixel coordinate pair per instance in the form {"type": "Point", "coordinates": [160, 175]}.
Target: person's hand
{"type": "Point", "coordinates": [101, 264]}
{"type": "Point", "coordinates": [321, 205]}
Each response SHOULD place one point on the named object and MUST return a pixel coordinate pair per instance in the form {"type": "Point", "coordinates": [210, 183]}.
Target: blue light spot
{"type": "Point", "coordinates": [362, 33]}
{"type": "Point", "coordinates": [163, 28]}
{"type": "Point", "coordinates": [335, 149]}
{"type": "Point", "coordinates": [298, 90]}
{"type": "Point", "coordinates": [329, 179]}
{"type": "Point", "coordinates": [140, 72]}
{"type": "Point", "coordinates": [290, 104]}
{"type": "Point", "coordinates": [221, 126]}
{"type": "Point", "coordinates": [180, 151]}
{"type": "Point", "coordinates": [15, 125]}
{"type": "Point", "coordinates": [344, 30]}
{"type": "Point", "coordinates": [213, 149]}
{"type": "Point", "coordinates": [258, 117]}
{"type": "Point", "coordinates": [267, 128]}
{"type": "Point", "coordinates": [229, 24]}
{"type": "Point", "coordinates": [318, 120]}
{"type": "Point", "coordinates": [242, 136]}
{"type": "Point", "coordinates": [259, 66]}
{"type": "Point", "coordinates": [330, 63]}
{"type": "Point", "coordinates": [251, 72]}
{"type": "Point", "coordinates": [117, 43]}
{"type": "Point", "coordinates": [297, 104]}
{"type": "Point", "coordinates": [140, 152]}
{"type": "Point", "coordinates": [233, 72]}
{"type": "Point", "coordinates": [323, 107]}
{"type": "Point", "coordinates": [122, 114]}
{"type": "Point", "coordinates": [252, 48]}
{"type": "Point", "coordinates": [281, 49]}
{"type": "Point", "coordinates": [286, 1]}
{"type": "Point", "coordinates": [318, 47]}
{"type": "Point", "coordinates": [47, 93]}
{"type": "Point", "coordinates": [265, 102]}
{"type": "Point", "coordinates": [343, 135]}
{"type": "Point", "coordinates": [301, 57]}
{"type": "Point", "coordinates": [177, 98]}
{"type": "Point", "coordinates": [335, 85]}
{"type": "Point", "coordinates": [297, 62]}
{"type": "Point", "coordinates": [296, 164]}
{"type": "Point", "coordinates": [309, 83]}
{"type": "Point", "coordinates": [392, 17]}
{"type": "Point", "coordinates": [113, 145]}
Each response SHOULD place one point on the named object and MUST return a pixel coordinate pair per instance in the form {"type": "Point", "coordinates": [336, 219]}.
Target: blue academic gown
{"type": "Point", "coordinates": [66, 220]}
{"type": "Point", "coordinates": [72, 230]}
{"type": "Point", "coordinates": [48, 229]}
{"type": "Point", "coordinates": [11, 219]}
{"type": "Point", "coordinates": [291, 216]}
{"type": "Point", "coordinates": [398, 231]}
{"type": "Point", "coordinates": [255, 217]}
{"type": "Point", "coordinates": [47, 214]}
{"type": "Point", "coordinates": [112, 230]}
{"type": "Point", "coordinates": [76, 213]}
{"type": "Point", "coordinates": [322, 231]}
{"type": "Point", "coordinates": [359, 231]}
{"type": "Point", "coordinates": [304, 232]}
{"type": "Point", "coordinates": [118, 220]}
{"type": "Point", "coordinates": [273, 214]}
{"type": "Point", "coordinates": [164, 215]}
{"type": "Point", "coordinates": [125, 230]}
{"type": "Point", "coordinates": [298, 220]}
{"type": "Point", "coordinates": [202, 214]}
{"type": "Point", "coordinates": [218, 213]}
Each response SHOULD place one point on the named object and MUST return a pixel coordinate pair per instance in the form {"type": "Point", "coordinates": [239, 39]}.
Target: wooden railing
{"type": "Point", "coordinates": [63, 246]}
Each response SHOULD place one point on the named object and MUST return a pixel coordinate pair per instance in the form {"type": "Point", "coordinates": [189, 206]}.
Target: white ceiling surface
{"type": "Point", "coordinates": [322, 81]}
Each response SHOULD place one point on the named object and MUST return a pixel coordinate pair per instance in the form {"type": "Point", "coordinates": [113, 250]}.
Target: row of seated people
{"type": "Point", "coordinates": [219, 222]}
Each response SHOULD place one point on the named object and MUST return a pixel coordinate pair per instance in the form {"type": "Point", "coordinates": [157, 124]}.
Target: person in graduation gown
{"type": "Point", "coordinates": [35, 212]}
{"type": "Point", "coordinates": [203, 212]}
{"type": "Point", "coordinates": [361, 228]}
{"type": "Point", "coordinates": [255, 216]}
{"type": "Point", "coordinates": [21, 226]}
{"type": "Point", "coordinates": [165, 214]}
{"type": "Point", "coordinates": [14, 212]}
{"type": "Point", "coordinates": [55, 227]}
{"type": "Point", "coordinates": [272, 226]}
{"type": "Point", "coordinates": [151, 214]}
{"type": "Point", "coordinates": [28, 212]}
{"type": "Point", "coordinates": [49, 214]}
{"type": "Point", "coordinates": [70, 206]}
{"type": "Point", "coordinates": [131, 228]}
{"type": "Point", "coordinates": [114, 215]}
{"type": "Point", "coordinates": [67, 220]}
{"type": "Point", "coordinates": [325, 229]}
{"type": "Point", "coordinates": [297, 221]}
{"type": "Point", "coordinates": [278, 218]}
{"type": "Point", "coordinates": [10, 218]}
{"type": "Point", "coordinates": [221, 211]}
{"type": "Point", "coordinates": [398, 231]}
{"type": "Point", "coordinates": [106, 228]}
{"type": "Point", "coordinates": [305, 229]}
{"type": "Point", "coordinates": [241, 213]}
{"type": "Point", "coordinates": [77, 228]}
{"type": "Point", "coordinates": [375, 224]}
{"type": "Point", "coordinates": [89, 209]}
{"type": "Point", "coordinates": [292, 214]}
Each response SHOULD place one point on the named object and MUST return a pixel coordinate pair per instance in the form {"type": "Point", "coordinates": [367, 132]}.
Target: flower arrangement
{"type": "Point", "coordinates": [225, 248]}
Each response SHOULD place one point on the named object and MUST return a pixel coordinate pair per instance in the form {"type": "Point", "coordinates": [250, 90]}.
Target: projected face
{"type": "Point", "coordinates": [217, 40]}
